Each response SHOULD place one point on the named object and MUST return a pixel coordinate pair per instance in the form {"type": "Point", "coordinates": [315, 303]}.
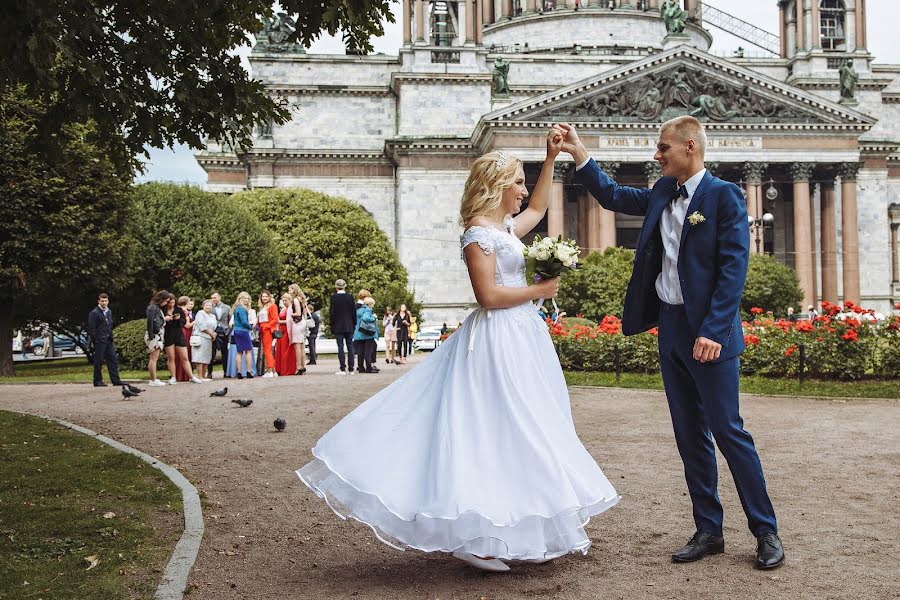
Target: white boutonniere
{"type": "Point", "coordinates": [696, 217]}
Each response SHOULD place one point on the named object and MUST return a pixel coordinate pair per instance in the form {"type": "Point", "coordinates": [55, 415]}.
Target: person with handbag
{"type": "Point", "coordinates": [365, 335]}
{"type": "Point", "coordinates": [268, 324]}
{"type": "Point", "coordinates": [285, 363]}
{"type": "Point", "coordinates": [298, 326]}
{"type": "Point", "coordinates": [186, 305]}
{"type": "Point", "coordinates": [202, 336]}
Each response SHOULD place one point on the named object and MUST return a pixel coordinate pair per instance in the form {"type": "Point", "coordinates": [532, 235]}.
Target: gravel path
{"type": "Point", "coordinates": [831, 465]}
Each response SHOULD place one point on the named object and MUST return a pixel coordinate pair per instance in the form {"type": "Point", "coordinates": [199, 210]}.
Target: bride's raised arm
{"type": "Point", "coordinates": [540, 198]}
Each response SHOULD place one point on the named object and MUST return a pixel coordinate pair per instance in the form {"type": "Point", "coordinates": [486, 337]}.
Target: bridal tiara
{"type": "Point", "coordinates": [502, 159]}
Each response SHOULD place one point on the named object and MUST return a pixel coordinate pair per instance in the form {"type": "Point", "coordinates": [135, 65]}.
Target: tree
{"type": "Point", "coordinates": [64, 233]}
{"type": "Point", "coordinates": [192, 241]}
{"type": "Point", "coordinates": [771, 285]}
{"type": "Point", "coordinates": [159, 73]}
{"type": "Point", "coordinates": [322, 238]}
{"type": "Point", "coordinates": [597, 287]}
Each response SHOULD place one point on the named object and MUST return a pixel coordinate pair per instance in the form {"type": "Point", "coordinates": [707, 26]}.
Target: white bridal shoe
{"type": "Point", "coordinates": [485, 564]}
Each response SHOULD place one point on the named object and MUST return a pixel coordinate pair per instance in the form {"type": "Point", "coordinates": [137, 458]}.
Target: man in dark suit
{"type": "Point", "coordinates": [99, 328]}
{"type": "Point", "coordinates": [689, 272]}
{"type": "Point", "coordinates": [342, 322]}
{"type": "Point", "coordinates": [223, 315]}
{"type": "Point", "coordinates": [313, 331]}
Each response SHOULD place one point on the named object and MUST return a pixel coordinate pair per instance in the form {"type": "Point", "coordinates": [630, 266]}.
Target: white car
{"type": "Point", "coordinates": [428, 338]}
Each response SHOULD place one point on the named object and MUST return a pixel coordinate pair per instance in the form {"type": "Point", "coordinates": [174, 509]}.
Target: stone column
{"type": "Point", "coordinates": [860, 24]}
{"type": "Point", "coordinates": [829, 242]}
{"type": "Point", "coordinates": [487, 7]}
{"type": "Point", "coordinates": [653, 172]}
{"type": "Point", "coordinates": [556, 216]}
{"type": "Point", "coordinates": [850, 25]}
{"type": "Point", "coordinates": [407, 22]}
{"type": "Point", "coordinates": [849, 231]}
{"type": "Point", "coordinates": [808, 24]}
{"type": "Point", "coordinates": [782, 30]}
{"type": "Point", "coordinates": [420, 22]}
{"type": "Point", "coordinates": [471, 18]}
{"type": "Point", "coordinates": [790, 23]}
{"type": "Point", "coordinates": [531, 6]}
{"type": "Point", "coordinates": [506, 9]}
{"type": "Point", "coordinates": [690, 6]}
{"type": "Point", "coordinates": [606, 219]}
{"type": "Point", "coordinates": [801, 29]}
{"type": "Point", "coordinates": [654, 4]}
{"type": "Point", "coordinates": [803, 258]}
{"type": "Point", "coordinates": [816, 25]}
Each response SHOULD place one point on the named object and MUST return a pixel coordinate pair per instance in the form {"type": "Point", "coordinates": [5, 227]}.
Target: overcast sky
{"type": "Point", "coordinates": [883, 16]}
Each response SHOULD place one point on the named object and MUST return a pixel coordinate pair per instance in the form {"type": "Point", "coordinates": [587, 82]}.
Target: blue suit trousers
{"type": "Point", "coordinates": [704, 404]}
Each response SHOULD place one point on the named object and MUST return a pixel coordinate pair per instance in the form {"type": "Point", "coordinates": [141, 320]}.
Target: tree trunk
{"type": "Point", "coordinates": [7, 367]}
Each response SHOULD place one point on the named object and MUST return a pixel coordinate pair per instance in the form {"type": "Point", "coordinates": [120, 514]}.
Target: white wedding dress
{"type": "Point", "coordinates": [474, 449]}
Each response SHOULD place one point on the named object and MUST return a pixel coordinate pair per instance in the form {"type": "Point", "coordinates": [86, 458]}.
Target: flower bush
{"type": "Point", "coordinates": [842, 343]}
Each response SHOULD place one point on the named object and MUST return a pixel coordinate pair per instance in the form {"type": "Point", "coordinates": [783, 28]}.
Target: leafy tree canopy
{"type": "Point", "coordinates": [163, 72]}
{"type": "Point", "coordinates": [64, 225]}
{"type": "Point", "coordinates": [597, 287]}
{"type": "Point", "coordinates": [771, 285]}
{"type": "Point", "coordinates": [193, 241]}
{"type": "Point", "coordinates": [322, 238]}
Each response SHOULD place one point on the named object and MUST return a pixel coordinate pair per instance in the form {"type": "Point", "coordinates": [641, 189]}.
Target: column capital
{"type": "Point", "coordinates": [753, 172]}
{"type": "Point", "coordinates": [561, 171]}
{"type": "Point", "coordinates": [610, 168]}
{"type": "Point", "coordinates": [801, 171]}
{"type": "Point", "coordinates": [848, 171]}
{"type": "Point", "coordinates": [827, 173]}
{"type": "Point", "coordinates": [652, 170]}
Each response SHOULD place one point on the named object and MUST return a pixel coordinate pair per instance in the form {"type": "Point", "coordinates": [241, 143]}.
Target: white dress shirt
{"type": "Point", "coordinates": [671, 222]}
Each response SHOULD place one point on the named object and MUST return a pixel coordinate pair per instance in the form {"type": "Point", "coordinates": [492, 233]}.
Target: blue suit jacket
{"type": "Point", "coordinates": [712, 260]}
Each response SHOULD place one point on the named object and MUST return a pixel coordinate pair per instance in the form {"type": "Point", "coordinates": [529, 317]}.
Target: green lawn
{"type": "Point", "coordinates": [68, 501]}
{"type": "Point", "coordinates": [70, 370]}
{"type": "Point", "coordinates": [869, 388]}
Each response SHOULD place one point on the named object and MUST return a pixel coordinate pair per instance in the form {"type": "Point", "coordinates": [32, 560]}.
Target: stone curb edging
{"type": "Point", "coordinates": [749, 394]}
{"type": "Point", "coordinates": [175, 576]}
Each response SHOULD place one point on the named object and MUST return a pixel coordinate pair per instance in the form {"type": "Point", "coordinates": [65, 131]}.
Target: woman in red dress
{"type": "Point", "coordinates": [187, 306]}
{"type": "Point", "coordinates": [285, 360]}
{"type": "Point", "coordinates": [268, 323]}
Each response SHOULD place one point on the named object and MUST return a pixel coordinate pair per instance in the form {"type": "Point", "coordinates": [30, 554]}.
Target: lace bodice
{"type": "Point", "coordinates": [510, 269]}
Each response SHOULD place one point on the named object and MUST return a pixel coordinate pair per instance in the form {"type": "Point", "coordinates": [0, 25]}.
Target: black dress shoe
{"type": "Point", "coordinates": [702, 544]}
{"type": "Point", "coordinates": [100, 384]}
{"type": "Point", "coordinates": [769, 551]}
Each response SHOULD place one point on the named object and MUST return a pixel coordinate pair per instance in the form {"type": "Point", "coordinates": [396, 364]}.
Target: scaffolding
{"type": "Point", "coordinates": [739, 28]}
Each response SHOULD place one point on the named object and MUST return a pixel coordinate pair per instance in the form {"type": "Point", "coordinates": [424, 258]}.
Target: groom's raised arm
{"type": "Point", "coordinates": [610, 195]}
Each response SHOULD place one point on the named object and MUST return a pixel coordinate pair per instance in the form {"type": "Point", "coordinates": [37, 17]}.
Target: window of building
{"type": "Point", "coordinates": [832, 24]}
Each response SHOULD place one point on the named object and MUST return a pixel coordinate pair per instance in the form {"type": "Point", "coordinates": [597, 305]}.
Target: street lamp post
{"type": "Point", "coordinates": [758, 227]}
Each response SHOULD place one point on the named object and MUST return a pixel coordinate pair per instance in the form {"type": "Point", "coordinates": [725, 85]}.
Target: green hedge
{"type": "Point", "coordinates": [130, 346]}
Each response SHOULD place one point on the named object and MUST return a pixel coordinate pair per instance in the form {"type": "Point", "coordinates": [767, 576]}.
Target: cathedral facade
{"type": "Point", "coordinates": [808, 126]}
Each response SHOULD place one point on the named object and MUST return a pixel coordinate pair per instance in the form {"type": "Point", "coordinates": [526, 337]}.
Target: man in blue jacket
{"type": "Point", "coordinates": [689, 272]}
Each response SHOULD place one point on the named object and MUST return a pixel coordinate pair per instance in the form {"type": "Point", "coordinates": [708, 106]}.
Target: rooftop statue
{"type": "Point", "coordinates": [673, 16]}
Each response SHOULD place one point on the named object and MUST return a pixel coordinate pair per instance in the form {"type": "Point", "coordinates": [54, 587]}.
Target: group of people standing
{"type": "Point", "coordinates": [187, 338]}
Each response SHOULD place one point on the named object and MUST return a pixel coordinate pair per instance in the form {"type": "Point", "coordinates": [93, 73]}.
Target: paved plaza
{"type": "Point", "coordinates": [831, 464]}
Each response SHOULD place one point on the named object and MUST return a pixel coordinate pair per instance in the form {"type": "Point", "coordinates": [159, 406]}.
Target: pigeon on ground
{"type": "Point", "coordinates": [242, 403]}
{"type": "Point", "coordinates": [126, 393]}
{"type": "Point", "coordinates": [132, 389]}
{"type": "Point", "coordinates": [219, 393]}
{"type": "Point", "coordinates": [280, 424]}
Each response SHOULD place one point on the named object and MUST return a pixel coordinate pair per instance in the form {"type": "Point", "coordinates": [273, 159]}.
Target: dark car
{"type": "Point", "coordinates": [60, 344]}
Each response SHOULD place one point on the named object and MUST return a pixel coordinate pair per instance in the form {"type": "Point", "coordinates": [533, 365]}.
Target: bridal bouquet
{"type": "Point", "coordinates": [547, 257]}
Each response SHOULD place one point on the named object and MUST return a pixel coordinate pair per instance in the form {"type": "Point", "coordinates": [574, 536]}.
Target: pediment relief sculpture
{"type": "Point", "coordinates": [662, 95]}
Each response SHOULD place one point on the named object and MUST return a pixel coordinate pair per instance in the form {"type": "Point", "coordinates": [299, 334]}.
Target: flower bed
{"type": "Point", "coordinates": [843, 343]}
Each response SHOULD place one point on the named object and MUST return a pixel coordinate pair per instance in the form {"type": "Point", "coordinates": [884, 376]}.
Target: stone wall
{"type": "Point", "coordinates": [329, 121]}
{"type": "Point", "coordinates": [441, 108]}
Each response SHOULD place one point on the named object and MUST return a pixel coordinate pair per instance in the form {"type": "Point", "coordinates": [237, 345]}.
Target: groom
{"type": "Point", "coordinates": [688, 277]}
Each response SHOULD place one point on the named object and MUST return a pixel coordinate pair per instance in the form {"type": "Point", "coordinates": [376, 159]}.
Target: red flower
{"type": "Point", "coordinates": [803, 326]}
{"type": "Point", "coordinates": [851, 322]}
{"type": "Point", "coordinates": [850, 336]}
{"type": "Point", "coordinates": [654, 332]}
{"type": "Point", "coordinates": [897, 306]}
{"type": "Point", "coordinates": [790, 350]}
{"type": "Point", "coordinates": [751, 339]}
{"type": "Point", "coordinates": [756, 310]}
{"type": "Point", "coordinates": [818, 339]}
{"type": "Point", "coordinates": [610, 325]}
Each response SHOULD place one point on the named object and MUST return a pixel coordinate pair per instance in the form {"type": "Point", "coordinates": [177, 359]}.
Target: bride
{"type": "Point", "coordinates": [474, 451]}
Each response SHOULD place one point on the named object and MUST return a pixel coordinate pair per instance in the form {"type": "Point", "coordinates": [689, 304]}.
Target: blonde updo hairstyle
{"type": "Point", "coordinates": [490, 175]}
